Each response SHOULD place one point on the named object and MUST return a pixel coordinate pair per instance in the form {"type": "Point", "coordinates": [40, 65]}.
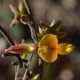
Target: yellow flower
{"type": "Point", "coordinates": [49, 48]}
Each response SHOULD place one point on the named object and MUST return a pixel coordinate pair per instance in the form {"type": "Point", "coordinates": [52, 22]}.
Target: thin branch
{"type": "Point", "coordinates": [16, 71]}
{"type": "Point", "coordinates": [33, 34]}
{"type": "Point", "coordinates": [24, 77]}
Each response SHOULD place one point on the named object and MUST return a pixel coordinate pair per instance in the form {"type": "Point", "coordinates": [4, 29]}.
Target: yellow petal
{"type": "Point", "coordinates": [65, 48]}
{"type": "Point", "coordinates": [49, 40]}
{"type": "Point", "coordinates": [47, 54]}
{"type": "Point", "coordinates": [48, 48]}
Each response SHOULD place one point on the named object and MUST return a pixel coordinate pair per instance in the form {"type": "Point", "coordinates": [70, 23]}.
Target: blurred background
{"type": "Point", "coordinates": [68, 11]}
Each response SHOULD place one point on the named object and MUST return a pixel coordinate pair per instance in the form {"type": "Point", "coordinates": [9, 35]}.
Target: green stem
{"type": "Point", "coordinates": [46, 71]}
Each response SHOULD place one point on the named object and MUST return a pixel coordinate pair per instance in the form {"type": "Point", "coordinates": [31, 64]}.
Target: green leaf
{"type": "Point", "coordinates": [57, 26]}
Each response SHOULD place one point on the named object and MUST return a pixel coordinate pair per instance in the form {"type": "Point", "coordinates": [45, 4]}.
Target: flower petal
{"type": "Point", "coordinates": [49, 40]}
{"type": "Point", "coordinates": [65, 48]}
{"type": "Point", "coordinates": [48, 55]}
{"type": "Point", "coordinates": [48, 48]}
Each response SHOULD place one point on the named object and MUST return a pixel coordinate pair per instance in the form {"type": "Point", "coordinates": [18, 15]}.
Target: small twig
{"type": "Point", "coordinates": [24, 77]}
{"type": "Point", "coordinates": [33, 34]}
{"type": "Point", "coordinates": [16, 71]}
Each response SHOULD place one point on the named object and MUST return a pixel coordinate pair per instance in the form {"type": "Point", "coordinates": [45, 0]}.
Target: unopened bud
{"type": "Point", "coordinates": [21, 7]}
